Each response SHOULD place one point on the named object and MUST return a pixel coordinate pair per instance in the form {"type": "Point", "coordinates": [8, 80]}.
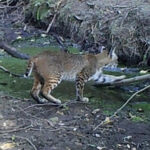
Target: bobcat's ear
{"type": "Point", "coordinates": [101, 49]}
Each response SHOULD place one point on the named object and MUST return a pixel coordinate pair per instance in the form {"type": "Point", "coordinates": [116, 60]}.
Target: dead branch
{"type": "Point", "coordinates": [8, 6]}
{"type": "Point", "coordinates": [139, 91]}
{"type": "Point", "coordinates": [125, 81]}
{"type": "Point", "coordinates": [33, 116]}
{"type": "Point", "coordinates": [118, 110]}
{"type": "Point", "coordinates": [13, 74]}
{"type": "Point", "coordinates": [13, 51]}
{"type": "Point", "coordinates": [14, 130]}
{"type": "Point", "coordinates": [54, 104]}
{"type": "Point", "coordinates": [49, 26]}
{"type": "Point", "coordinates": [58, 4]}
{"type": "Point", "coordinates": [41, 105]}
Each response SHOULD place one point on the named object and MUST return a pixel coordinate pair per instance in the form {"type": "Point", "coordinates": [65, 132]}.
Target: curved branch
{"type": "Point", "coordinates": [13, 51]}
{"type": "Point", "coordinates": [13, 74]}
{"type": "Point", "coordinates": [119, 109]}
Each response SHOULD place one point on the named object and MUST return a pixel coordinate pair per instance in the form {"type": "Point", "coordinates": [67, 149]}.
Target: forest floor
{"type": "Point", "coordinates": [28, 126]}
{"type": "Point", "coordinates": [24, 125]}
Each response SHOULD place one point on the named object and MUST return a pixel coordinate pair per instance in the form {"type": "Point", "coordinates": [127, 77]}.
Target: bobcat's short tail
{"type": "Point", "coordinates": [29, 69]}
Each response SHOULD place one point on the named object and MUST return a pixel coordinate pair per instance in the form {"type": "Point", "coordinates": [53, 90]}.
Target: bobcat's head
{"type": "Point", "coordinates": [107, 59]}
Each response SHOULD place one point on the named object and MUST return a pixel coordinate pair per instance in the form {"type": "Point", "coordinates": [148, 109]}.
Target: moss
{"type": "Point", "coordinates": [137, 119]}
{"type": "Point", "coordinates": [18, 87]}
{"type": "Point", "coordinates": [144, 106]}
{"type": "Point", "coordinates": [73, 50]}
{"type": "Point", "coordinates": [14, 86]}
{"type": "Point", "coordinates": [107, 113]}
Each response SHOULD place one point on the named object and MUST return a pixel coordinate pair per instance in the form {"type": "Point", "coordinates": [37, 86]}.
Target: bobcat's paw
{"type": "Point", "coordinates": [57, 101]}
{"type": "Point", "coordinates": [85, 99]}
{"type": "Point", "coordinates": [43, 101]}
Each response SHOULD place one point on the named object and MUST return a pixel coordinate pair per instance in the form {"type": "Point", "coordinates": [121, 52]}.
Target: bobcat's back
{"type": "Point", "coordinates": [51, 63]}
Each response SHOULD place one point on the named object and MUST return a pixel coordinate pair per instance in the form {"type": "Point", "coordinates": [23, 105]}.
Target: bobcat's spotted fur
{"type": "Point", "coordinates": [50, 68]}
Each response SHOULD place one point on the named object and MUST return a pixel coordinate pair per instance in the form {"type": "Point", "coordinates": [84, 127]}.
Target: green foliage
{"type": "Point", "coordinates": [144, 106]}
{"type": "Point", "coordinates": [17, 86]}
{"type": "Point", "coordinates": [40, 2]}
{"type": "Point", "coordinates": [42, 12]}
{"type": "Point", "coordinates": [14, 86]}
{"type": "Point", "coordinates": [43, 8]}
{"type": "Point", "coordinates": [136, 118]}
{"type": "Point", "coordinates": [73, 50]}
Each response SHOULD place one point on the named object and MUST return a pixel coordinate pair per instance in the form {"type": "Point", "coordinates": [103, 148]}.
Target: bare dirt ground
{"type": "Point", "coordinates": [28, 126]}
{"type": "Point", "coordinates": [25, 125]}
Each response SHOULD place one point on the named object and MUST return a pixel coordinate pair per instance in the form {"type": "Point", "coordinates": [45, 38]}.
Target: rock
{"type": "Point", "coordinates": [97, 135]}
{"type": "Point", "coordinates": [54, 120]}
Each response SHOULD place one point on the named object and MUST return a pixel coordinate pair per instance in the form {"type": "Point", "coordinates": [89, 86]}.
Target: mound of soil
{"type": "Point", "coordinates": [123, 25]}
{"type": "Point", "coordinates": [24, 125]}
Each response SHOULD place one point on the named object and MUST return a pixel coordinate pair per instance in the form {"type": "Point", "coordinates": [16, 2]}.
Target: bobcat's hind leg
{"type": "Point", "coordinates": [36, 90]}
{"type": "Point", "coordinates": [49, 85]}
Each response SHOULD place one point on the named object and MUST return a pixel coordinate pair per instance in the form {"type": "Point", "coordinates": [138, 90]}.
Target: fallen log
{"type": "Point", "coordinates": [13, 51]}
{"type": "Point", "coordinates": [124, 81]}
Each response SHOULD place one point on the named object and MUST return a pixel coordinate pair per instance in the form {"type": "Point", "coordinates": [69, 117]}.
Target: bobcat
{"type": "Point", "coordinates": [50, 68]}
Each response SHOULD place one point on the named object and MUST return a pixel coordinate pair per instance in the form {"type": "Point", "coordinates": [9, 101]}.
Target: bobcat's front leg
{"type": "Point", "coordinates": [81, 79]}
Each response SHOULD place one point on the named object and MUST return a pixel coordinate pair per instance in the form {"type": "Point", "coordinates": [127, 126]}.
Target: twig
{"type": "Point", "coordinates": [58, 4]}
{"type": "Point", "coordinates": [41, 105]}
{"type": "Point", "coordinates": [118, 110]}
{"type": "Point", "coordinates": [4, 7]}
{"type": "Point", "coordinates": [8, 6]}
{"type": "Point", "coordinates": [54, 104]}
{"type": "Point", "coordinates": [37, 118]}
{"type": "Point", "coordinates": [126, 15]}
{"type": "Point", "coordinates": [14, 130]}
{"type": "Point", "coordinates": [24, 138]}
{"type": "Point", "coordinates": [13, 74]}
{"type": "Point", "coordinates": [49, 26]}
{"type": "Point", "coordinates": [119, 6]}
